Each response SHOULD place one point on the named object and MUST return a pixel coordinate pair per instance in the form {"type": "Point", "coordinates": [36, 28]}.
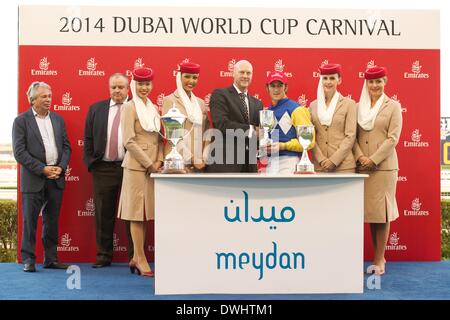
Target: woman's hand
{"type": "Point", "coordinates": [199, 166]}
{"type": "Point", "coordinates": [154, 167]}
{"type": "Point", "coordinates": [366, 163]}
{"type": "Point", "coordinates": [327, 165]}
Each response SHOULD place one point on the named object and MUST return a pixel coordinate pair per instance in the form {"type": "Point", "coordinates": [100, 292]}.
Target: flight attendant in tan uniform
{"type": "Point", "coordinates": [334, 118]}
{"type": "Point", "coordinates": [191, 147]}
{"type": "Point", "coordinates": [140, 125]}
{"type": "Point", "coordinates": [379, 128]}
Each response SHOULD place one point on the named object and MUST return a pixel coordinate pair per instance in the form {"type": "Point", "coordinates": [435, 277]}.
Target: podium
{"type": "Point", "coordinates": [259, 234]}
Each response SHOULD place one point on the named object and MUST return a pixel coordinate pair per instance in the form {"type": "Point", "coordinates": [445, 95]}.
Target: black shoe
{"type": "Point", "coordinates": [29, 267]}
{"type": "Point", "coordinates": [55, 265]}
{"type": "Point", "coordinates": [101, 264]}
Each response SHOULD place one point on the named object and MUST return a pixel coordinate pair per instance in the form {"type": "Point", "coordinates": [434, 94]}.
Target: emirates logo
{"type": "Point", "coordinates": [65, 240]}
{"type": "Point", "coordinates": [231, 64]}
{"type": "Point", "coordinates": [207, 99]}
{"type": "Point", "coordinates": [138, 63]}
{"type": "Point", "coordinates": [90, 205]}
{"type": "Point", "coordinates": [43, 64]}
{"type": "Point", "coordinates": [395, 98]}
{"type": "Point", "coordinates": [416, 73]}
{"type": "Point", "coordinates": [116, 244]}
{"type": "Point", "coordinates": [68, 175]}
{"type": "Point", "coordinates": [302, 100]}
{"type": "Point", "coordinates": [324, 62]}
{"type": "Point", "coordinates": [91, 65]}
{"type": "Point", "coordinates": [370, 64]}
{"type": "Point", "coordinates": [43, 69]}
{"type": "Point", "coordinates": [416, 141]}
{"type": "Point", "coordinates": [68, 171]}
{"type": "Point", "coordinates": [66, 99]}
{"type": "Point", "coordinates": [91, 70]}
{"type": "Point", "coordinates": [65, 244]}
{"type": "Point", "coordinates": [393, 239]}
{"type": "Point", "coordinates": [415, 136]}
{"type": "Point", "coordinates": [416, 209]}
{"type": "Point", "coordinates": [115, 240]}
{"type": "Point", "coordinates": [416, 67]}
{"type": "Point", "coordinates": [415, 205]}
{"type": "Point", "coordinates": [184, 61]}
{"type": "Point", "coordinates": [279, 66]}
{"type": "Point", "coordinates": [178, 66]}
{"type": "Point", "coordinates": [159, 100]}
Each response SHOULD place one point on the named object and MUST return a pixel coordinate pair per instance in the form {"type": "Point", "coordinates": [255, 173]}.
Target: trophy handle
{"type": "Point", "coordinates": [189, 132]}
{"type": "Point", "coordinates": [160, 126]}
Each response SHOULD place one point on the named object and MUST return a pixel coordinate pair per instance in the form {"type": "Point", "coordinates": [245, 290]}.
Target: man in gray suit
{"type": "Point", "coordinates": [42, 149]}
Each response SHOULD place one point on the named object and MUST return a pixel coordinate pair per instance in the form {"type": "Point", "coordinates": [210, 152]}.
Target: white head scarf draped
{"type": "Point", "coordinates": [324, 113]}
{"type": "Point", "coordinates": [366, 114]}
{"type": "Point", "coordinates": [147, 112]}
{"type": "Point", "coordinates": [193, 110]}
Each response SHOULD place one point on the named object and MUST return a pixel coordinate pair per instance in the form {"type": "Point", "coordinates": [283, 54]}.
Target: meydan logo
{"type": "Point", "coordinates": [261, 261]}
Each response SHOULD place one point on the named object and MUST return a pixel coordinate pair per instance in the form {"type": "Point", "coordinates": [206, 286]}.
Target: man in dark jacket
{"type": "Point", "coordinates": [42, 149]}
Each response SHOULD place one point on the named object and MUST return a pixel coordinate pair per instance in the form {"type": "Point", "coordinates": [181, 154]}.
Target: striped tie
{"type": "Point", "coordinates": [244, 107]}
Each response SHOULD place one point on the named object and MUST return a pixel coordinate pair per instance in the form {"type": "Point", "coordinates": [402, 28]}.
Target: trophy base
{"type": "Point", "coordinates": [304, 169]}
{"type": "Point", "coordinates": [173, 167]}
{"type": "Point", "coordinates": [174, 171]}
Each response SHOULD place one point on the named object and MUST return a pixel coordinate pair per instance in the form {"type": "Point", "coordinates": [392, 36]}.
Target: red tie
{"type": "Point", "coordinates": [114, 137]}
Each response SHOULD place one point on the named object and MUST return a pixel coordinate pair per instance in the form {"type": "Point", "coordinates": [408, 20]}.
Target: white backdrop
{"type": "Point", "coordinates": [8, 23]}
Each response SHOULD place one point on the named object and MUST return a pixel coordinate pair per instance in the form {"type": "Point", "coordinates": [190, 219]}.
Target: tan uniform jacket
{"type": "Point", "coordinates": [143, 148]}
{"type": "Point", "coordinates": [379, 143]}
{"type": "Point", "coordinates": [335, 142]}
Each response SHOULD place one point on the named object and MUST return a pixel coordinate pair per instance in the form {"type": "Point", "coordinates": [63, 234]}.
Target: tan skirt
{"type": "Point", "coordinates": [137, 197]}
{"type": "Point", "coordinates": [380, 205]}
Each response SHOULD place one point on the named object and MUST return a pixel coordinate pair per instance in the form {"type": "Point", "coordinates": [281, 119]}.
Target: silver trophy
{"type": "Point", "coordinates": [305, 134]}
{"type": "Point", "coordinates": [173, 122]}
{"type": "Point", "coordinates": [267, 122]}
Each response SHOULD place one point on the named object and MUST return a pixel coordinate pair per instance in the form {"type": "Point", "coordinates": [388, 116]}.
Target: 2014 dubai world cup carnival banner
{"type": "Point", "coordinates": [76, 49]}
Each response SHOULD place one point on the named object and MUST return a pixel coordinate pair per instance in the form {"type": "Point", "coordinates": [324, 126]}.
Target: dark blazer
{"type": "Point", "coordinates": [29, 150]}
{"type": "Point", "coordinates": [226, 113]}
{"type": "Point", "coordinates": [96, 126]}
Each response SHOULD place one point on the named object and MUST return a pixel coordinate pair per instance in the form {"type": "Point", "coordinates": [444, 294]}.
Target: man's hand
{"type": "Point", "coordinates": [52, 172]}
{"type": "Point", "coordinates": [327, 165]}
{"type": "Point", "coordinates": [258, 131]}
{"type": "Point", "coordinates": [273, 148]}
